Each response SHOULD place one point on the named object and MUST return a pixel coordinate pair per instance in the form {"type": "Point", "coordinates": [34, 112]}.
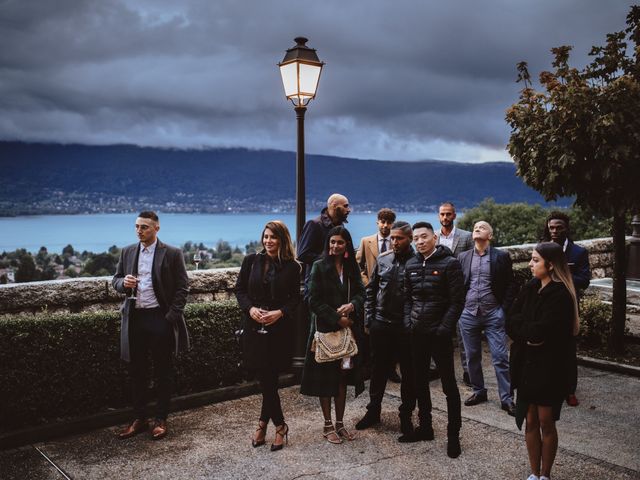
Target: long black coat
{"type": "Point", "coordinates": [170, 286]}
{"type": "Point", "coordinates": [274, 349]}
{"type": "Point", "coordinates": [326, 294]}
{"type": "Point", "coordinates": [540, 373]}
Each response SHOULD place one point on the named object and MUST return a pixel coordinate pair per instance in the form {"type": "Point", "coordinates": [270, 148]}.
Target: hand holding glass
{"type": "Point", "coordinates": [132, 278]}
{"type": "Point", "coordinates": [197, 258]}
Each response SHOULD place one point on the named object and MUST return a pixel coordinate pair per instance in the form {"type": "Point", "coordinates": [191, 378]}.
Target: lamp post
{"type": "Point", "coordinates": [300, 70]}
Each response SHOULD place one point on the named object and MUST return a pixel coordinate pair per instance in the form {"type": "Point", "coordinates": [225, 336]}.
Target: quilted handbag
{"type": "Point", "coordinates": [332, 346]}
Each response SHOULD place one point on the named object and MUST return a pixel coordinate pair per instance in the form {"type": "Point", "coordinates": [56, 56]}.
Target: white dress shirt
{"type": "Point", "coordinates": [447, 240]}
{"type": "Point", "coordinates": [146, 295]}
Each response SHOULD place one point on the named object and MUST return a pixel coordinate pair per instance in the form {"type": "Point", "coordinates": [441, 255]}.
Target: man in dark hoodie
{"type": "Point", "coordinates": [434, 289]}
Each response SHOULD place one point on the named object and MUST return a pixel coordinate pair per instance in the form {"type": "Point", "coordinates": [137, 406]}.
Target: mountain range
{"type": "Point", "coordinates": [38, 178]}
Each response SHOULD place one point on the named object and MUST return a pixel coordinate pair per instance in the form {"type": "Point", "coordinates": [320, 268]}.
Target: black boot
{"type": "Point", "coordinates": [453, 444]}
{"type": "Point", "coordinates": [423, 432]}
{"type": "Point", "coordinates": [370, 419]}
{"type": "Point", "coordinates": [406, 425]}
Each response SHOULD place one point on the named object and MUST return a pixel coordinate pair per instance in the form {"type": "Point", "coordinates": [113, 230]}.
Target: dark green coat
{"type": "Point", "coordinates": [326, 294]}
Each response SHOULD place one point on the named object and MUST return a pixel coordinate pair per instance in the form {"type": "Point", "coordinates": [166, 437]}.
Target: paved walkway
{"type": "Point", "coordinates": [600, 439]}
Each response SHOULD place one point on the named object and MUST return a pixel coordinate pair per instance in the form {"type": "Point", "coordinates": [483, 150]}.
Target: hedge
{"type": "Point", "coordinates": [63, 365]}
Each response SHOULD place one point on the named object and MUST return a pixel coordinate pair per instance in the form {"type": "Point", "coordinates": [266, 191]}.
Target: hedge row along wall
{"type": "Point", "coordinates": [63, 365]}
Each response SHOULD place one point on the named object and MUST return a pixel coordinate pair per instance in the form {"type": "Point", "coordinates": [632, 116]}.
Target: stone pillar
{"type": "Point", "coordinates": [633, 257]}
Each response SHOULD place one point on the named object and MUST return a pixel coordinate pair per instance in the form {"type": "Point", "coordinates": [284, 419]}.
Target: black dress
{"type": "Point", "coordinates": [272, 285]}
{"type": "Point", "coordinates": [539, 373]}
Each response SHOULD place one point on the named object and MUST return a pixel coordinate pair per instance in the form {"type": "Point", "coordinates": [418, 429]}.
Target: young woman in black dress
{"type": "Point", "coordinates": [268, 292]}
{"type": "Point", "coordinates": [541, 323]}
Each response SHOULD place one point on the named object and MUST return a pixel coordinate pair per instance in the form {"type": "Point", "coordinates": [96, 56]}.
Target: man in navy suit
{"type": "Point", "coordinates": [557, 230]}
{"type": "Point", "coordinates": [490, 290]}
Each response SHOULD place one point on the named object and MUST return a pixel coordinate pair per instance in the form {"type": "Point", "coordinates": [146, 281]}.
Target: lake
{"type": "Point", "coordinates": [96, 233]}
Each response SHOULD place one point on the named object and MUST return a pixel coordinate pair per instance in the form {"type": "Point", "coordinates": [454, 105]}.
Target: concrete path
{"type": "Point", "coordinates": [600, 439]}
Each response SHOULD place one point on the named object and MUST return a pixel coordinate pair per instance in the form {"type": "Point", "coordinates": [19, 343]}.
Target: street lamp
{"type": "Point", "coordinates": [300, 70]}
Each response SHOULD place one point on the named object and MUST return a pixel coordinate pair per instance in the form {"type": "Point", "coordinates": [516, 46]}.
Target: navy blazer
{"type": "Point", "coordinates": [503, 284]}
{"type": "Point", "coordinates": [578, 260]}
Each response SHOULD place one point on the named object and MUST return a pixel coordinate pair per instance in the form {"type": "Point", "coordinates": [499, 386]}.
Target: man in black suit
{"type": "Point", "coordinates": [490, 290]}
{"type": "Point", "coordinates": [557, 230]}
{"type": "Point", "coordinates": [155, 276]}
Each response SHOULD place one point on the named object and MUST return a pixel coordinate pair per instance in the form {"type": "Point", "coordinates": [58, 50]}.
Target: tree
{"type": "Point", "coordinates": [68, 251]}
{"type": "Point", "coordinates": [580, 137]}
{"type": "Point", "coordinates": [27, 271]}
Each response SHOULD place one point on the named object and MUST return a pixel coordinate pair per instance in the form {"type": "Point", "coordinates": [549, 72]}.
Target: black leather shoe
{"type": "Point", "coordinates": [369, 420]}
{"type": "Point", "coordinates": [475, 399]}
{"type": "Point", "coordinates": [510, 408]}
{"type": "Point", "coordinates": [423, 432]}
{"type": "Point", "coordinates": [453, 446]}
{"type": "Point", "coordinates": [406, 425]}
{"type": "Point", "coordinates": [394, 377]}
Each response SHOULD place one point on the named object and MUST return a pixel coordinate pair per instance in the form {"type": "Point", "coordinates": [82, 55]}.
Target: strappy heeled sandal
{"type": "Point", "coordinates": [331, 435]}
{"type": "Point", "coordinates": [258, 443]}
{"type": "Point", "coordinates": [343, 432]}
{"type": "Point", "coordinates": [283, 431]}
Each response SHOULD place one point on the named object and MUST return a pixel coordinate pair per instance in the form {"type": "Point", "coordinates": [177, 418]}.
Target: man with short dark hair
{"type": "Point", "coordinates": [458, 241]}
{"type": "Point", "coordinates": [434, 292]}
{"type": "Point", "coordinates": [557, 229]}
{"type": "Point", "coordinates": [315, 231]}
{"type": "Point", "coordinates": [384, 309]}
{"type": "Point", "coordinates": [155, 276]}
{"type": "Point", "coordinates": [490, 290]}
{"type": "Point", "coordinates": [373, 245]}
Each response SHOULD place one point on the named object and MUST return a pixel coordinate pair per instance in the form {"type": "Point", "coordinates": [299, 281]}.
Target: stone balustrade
{"type": "Point", "coordinates": [96, 293]}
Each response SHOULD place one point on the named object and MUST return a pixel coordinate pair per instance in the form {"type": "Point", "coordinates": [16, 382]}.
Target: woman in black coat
{"type": "Point", "coordinates": [268, 292]}
{"type": "Point", "coordinates": [541, 323]}
{"type": "Point", "coordinates": [336, 297]}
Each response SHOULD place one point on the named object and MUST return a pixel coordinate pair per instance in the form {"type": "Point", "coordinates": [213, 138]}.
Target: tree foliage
{"type": "Point", "coordinates": [580, 136]}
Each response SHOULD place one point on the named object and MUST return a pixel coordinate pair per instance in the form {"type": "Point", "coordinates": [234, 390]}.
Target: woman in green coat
{"type": "Point", "coordinates": [336, 297]}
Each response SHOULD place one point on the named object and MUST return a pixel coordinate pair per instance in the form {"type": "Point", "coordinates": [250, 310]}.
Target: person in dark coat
{"type": "Point", "coordinates": [336, 297]}
{"type": "Point", "coordinates": [152, 320]}
{"type": "Point", "coordinates": [268, 292]}
{"type": "Point", "coordinates": [314, 232]}
{"type": "Point", "coordinates": [557, 229]}
{"type": "Point", "coordinates": [541, 323]}
{"type": "Point", "coordinates": [434, 292]}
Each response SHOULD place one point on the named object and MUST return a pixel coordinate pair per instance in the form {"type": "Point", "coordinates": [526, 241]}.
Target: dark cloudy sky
{"type": "Point", "coordinates": [404, 79]}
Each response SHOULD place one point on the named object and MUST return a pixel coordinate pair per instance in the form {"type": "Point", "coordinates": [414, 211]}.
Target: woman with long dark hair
{"type": "Point", "coordinates": [541, 323]}
{"type": "Point", "coordinates": [336, 297]}
{"type": "Point", "coordinates": [268, 292]}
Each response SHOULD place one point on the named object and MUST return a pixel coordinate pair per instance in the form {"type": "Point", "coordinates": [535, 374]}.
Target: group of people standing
{"type": "Point", "coordinates": [407, 304]}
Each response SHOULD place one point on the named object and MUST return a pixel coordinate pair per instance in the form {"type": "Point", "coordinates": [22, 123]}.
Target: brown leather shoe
{"type": "Point", "coordinates": [159, 430]}
{"type": "Point", "coordinates": [134, 428]}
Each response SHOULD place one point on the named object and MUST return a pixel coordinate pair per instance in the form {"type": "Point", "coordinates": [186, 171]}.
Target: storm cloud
{"type": "Point", "coordinates": [404, 80]}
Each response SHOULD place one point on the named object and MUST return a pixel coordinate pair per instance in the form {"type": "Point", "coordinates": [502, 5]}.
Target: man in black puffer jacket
{"type": "Point", "coordinates": [434, 289]}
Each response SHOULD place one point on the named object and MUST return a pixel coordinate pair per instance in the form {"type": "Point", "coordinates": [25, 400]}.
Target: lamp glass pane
{"type": "Point", "coordinates": [289, 74]}
{"type": "Point", "coordinates": [309, 76]}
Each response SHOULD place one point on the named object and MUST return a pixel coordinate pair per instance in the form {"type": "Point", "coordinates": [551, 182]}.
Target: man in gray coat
{"type": "Point", "coordinates": [154, 276]}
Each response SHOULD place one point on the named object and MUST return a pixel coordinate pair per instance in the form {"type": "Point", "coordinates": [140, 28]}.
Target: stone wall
{"type": "Point", "coordinates": [91, 294]}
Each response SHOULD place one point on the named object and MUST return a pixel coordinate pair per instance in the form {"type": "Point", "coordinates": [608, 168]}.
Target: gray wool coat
{"type": "Point", "coordinates": [170, 285]}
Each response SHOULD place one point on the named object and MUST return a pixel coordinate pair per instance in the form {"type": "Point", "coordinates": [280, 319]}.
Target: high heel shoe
{"type": "Point", "coordinates": [283, 431]}
{"type": "Point", "coordinates": [258, 443]}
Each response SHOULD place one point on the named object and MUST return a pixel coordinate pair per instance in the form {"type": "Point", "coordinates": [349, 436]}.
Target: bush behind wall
{"type": "Point", "coordinates": [62, 365]}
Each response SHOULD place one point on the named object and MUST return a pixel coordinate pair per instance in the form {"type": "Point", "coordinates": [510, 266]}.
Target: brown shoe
{"type": "Point", "coordinates": [159, 430]}
{"type": "Point", "coordinates": [134, 428]}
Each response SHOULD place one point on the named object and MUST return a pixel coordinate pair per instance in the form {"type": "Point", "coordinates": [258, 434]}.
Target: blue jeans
{"type": "Point", "coordinates": [471, 327]}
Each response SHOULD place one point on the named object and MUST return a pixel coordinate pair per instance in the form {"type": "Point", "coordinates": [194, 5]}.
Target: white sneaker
{"type": "Point", "coordinates": [533, 477]}
{"type": "Point", "coordinates": [544, 478]}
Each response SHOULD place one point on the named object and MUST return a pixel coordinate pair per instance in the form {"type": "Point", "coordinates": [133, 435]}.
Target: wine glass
{"type": "Point", "coordinates": [133, 296]}
{"type": "Point", "coordinates": [197, 258]}
{"type": "Point", "coordinates": [263, 330]}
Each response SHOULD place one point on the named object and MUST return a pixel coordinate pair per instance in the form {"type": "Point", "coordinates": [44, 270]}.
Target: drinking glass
{"type": "Point", "coordinates": [197, 258]}
{"type": "Point", "coordinates": [263, 330]}
{"type": "Point", "coordinates": [133, 296]}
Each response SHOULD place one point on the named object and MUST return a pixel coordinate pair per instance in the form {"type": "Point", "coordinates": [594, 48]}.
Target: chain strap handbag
{"type": "Point", "coordinates": [332, 346]}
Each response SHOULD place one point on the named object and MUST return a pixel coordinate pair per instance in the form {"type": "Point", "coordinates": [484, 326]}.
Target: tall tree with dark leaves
{"type": "Point", "coordinates": [580, 136]}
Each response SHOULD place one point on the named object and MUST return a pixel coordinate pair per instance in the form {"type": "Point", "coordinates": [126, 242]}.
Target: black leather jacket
{"type": "Point", "coordinates": [385, 297]}
{"type": "Point", "coordinates": [434, 291]}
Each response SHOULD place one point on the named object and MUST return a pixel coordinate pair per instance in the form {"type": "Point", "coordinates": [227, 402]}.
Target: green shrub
{"type": "Point", "coordinates": [595, 319]}
{"type": "Point", "coordinates": [62, 365]}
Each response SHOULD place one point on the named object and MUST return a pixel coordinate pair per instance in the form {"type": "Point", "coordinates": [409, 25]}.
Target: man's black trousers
{"type": "Point", "coordinates": [151, 338]}
{"type": "Point", "coordinates": [390, 343]}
